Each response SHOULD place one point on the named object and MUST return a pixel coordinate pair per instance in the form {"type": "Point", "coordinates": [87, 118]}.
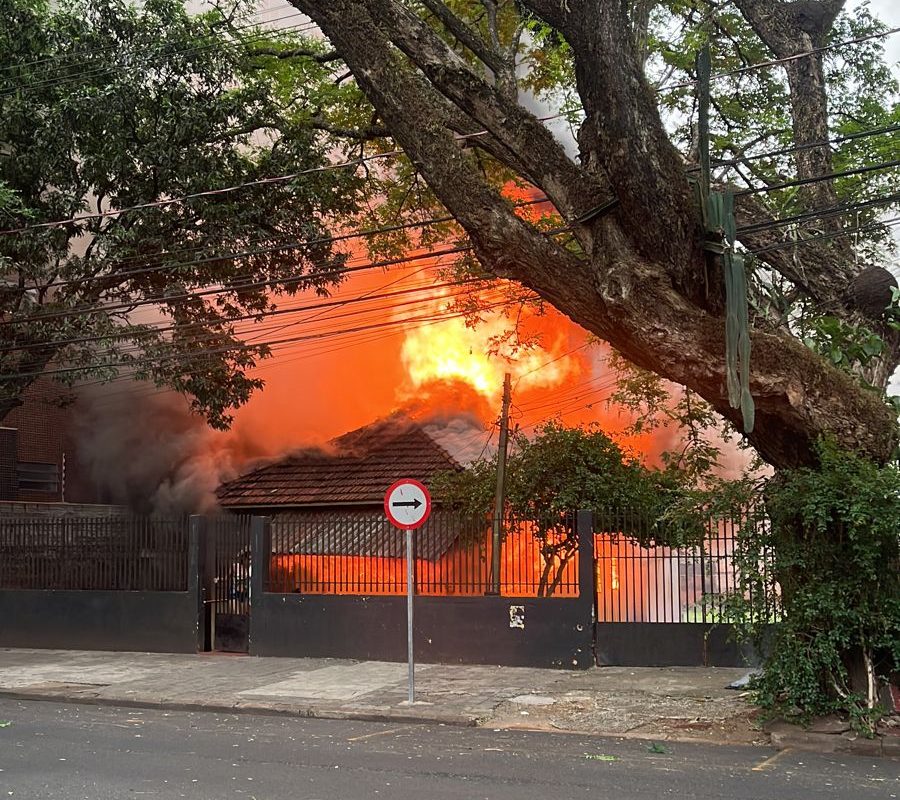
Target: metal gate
{"type": "Point", "coordinates": [228, 568]}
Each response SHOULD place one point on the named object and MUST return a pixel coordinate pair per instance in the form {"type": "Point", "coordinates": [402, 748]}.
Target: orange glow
{"type": "Point", "coordinates": [462, 570]}
{"type": "Point", "coordinates": [420, 359]}
{"type": "Point", "coordinates": [454, 350]}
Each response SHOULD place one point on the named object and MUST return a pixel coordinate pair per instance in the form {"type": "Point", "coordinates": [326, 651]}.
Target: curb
{"type": "Point", "coordinates": [249, 707]}
{"type": "Point", "coordinates": [817, 742]}
{"type": "Point", "coordinates": [799, 739]}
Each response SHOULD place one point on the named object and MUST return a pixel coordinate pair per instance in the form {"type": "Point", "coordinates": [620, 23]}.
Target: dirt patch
{"type": "Point", "coordinates": [727, 720]}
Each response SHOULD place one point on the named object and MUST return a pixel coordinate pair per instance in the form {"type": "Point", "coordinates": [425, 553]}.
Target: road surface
{"type": "Point", "coordinates": [68, 752]}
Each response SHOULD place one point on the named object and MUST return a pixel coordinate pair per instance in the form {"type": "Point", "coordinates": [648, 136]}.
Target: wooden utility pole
{"type": "Point", "coordinates": [500, 493]}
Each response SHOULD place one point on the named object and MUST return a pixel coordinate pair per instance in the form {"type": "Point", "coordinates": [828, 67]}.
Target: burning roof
{"type": "Point", "coordinates": [355, 469]}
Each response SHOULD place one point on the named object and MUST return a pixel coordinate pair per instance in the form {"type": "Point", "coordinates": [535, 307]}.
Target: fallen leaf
{"type": "Point", "coordinates": [5, 723]}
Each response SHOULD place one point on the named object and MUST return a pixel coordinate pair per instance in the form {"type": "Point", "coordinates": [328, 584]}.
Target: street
{"type": "Point", "coordinates": [53, 752]}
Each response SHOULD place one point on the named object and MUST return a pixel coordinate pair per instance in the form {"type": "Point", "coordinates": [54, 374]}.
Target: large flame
{"type": "Point", "coordinates": [453, 350]}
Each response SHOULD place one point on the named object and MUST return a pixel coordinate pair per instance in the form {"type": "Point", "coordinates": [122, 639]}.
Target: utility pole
{"type": "Point", "coordinates": [500, 493]}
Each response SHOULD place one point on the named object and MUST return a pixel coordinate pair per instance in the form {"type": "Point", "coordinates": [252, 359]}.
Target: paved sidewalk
{"type": "Point", "coordinates": [656, 703]}
{"type": "Point", "coordinates": [649, 702]}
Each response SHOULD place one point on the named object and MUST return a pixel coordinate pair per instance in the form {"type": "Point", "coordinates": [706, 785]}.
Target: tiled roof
{"type": "Point", "coordinates": [357, 468]}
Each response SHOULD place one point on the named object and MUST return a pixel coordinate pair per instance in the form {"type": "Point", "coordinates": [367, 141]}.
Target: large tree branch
{"type": "Point", "coordinates": [528, 141]}
{"type": "Point", "coordinates": [623, 136]}
{"type": "Point", "coordinates": [417, 116]}
{"type": "Point", "coordinates": [466, 36]}
{"type": "Point", "coordinates": [620, 293]}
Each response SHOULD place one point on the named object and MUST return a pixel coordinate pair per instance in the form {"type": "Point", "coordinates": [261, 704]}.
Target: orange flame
{"type": "Point", "coordinates": [453, 350]}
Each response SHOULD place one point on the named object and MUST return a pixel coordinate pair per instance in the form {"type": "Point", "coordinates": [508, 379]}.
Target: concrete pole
{"type": "Point", "coordinates": [500, 493]}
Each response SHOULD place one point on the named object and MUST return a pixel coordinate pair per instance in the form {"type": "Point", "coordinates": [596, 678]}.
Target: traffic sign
{"type": "Point", "coordinates": [407, 504]}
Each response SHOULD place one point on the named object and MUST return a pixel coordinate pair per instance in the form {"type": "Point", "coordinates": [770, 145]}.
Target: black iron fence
{"type": "Point", "coordinates": [362, 553]}
{"type": "Point", "coordinates": [644, 573]}
{"type": "Point", "coordinates": [100, 553]}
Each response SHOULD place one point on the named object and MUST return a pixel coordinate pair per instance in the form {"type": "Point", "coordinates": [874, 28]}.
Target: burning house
{"type": "Point", "coordinates": [329, 531]}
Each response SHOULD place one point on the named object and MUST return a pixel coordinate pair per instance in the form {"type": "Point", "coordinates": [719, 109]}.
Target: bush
{"type": "Point", "coordinates": [832, 541]}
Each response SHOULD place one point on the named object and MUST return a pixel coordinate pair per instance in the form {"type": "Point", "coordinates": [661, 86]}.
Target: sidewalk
{"type": "Point", "coordinates": [674, 703]}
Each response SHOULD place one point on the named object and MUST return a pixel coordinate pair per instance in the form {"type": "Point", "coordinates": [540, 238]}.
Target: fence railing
{"type": "Point", "coordinates": [641, 578]}
{"type": "Point", "coordinates": [99, 553]}
{"type": "Point", "coordinates": [640, 574]}
{"type": "Point", "coordinates": [362, 553]}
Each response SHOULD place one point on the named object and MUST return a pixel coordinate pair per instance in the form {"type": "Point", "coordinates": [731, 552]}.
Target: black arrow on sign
{"type": "Point", "coordinates": [407, 503]}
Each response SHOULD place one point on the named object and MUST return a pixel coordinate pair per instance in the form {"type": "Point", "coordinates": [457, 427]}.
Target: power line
{"type": "Point", "coordinates": [888, 223]}
{"type": "Point", "coordinates": [336, 272]}
{"type": "Point", "coordinates": [308, 277]}
{"type": "Point", "coordinates": [284, 244]}
{"type": "Point", "coordinates": [805, 146]}
{"type": "Point", "coordinates": [823, 213]}
{"type": "Point", "coordinates": [124, 333]}
{"type": "Point", "coordinates": [193, 196]}
{"type": "Point", "coordinates": [776, 61]}
{"type": "Point", "coordinates": [361, 161]}
{"type": "Point", "coordinates": [194, 358]}
{"type": "Point", "coordinates": [818, 178]}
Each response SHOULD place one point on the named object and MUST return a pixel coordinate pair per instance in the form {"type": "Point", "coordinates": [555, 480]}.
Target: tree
{"type": "Point", "coordinates": [635, 270]}
{"type": "Point", "coordinates": [560, 469]}
{"type": "Point", "coordinates": [105, 106]}
{"type": "Point", "coordinates": [802, 116]}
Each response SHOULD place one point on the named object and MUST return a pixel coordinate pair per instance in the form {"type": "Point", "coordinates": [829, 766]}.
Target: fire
{"type": "Point", "coordinates": [453, 350]}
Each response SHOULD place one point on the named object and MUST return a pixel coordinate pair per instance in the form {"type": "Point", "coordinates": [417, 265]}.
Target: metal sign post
{"type": "Point", "coordinates": [407, 505]}
{"type": "Point", "coordinates": [410, 585]}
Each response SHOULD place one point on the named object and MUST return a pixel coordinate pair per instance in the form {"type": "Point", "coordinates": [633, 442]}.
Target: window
{"type": "Point", "coordinates": [37, 477]}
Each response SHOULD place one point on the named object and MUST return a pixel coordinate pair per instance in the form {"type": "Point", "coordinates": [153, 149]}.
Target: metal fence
{"type": "Point", "coordinates": [99, 553]}
{"type": "Point", "coordinates": [640, 580]}
{"type": "Point", "coordinates": [639, 575]}
{"type": "Point", "coordinates": [229, 554]}
{"type": "Point", "coordinates": [362, 553]}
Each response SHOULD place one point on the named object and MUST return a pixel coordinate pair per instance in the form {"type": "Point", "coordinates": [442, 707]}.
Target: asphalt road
{"type": "Point", "coordinates": [52, 751]}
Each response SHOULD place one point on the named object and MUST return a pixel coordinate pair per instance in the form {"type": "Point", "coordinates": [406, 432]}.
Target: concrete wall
{"type": "Point", "coordinates": [663, 644]}
{"type": "Point", "coordinates": [161, 622]}
{"type": "Point", "coordinates": [462, 630]}
{"type": "Point", "coordinates": [158, 622]}
{"type": "Point", "coordinates": [533, 632]}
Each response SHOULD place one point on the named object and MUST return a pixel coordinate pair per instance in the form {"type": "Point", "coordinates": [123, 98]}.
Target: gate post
{"type": "Point", "coordinates": [199, 579]}
{"type": "Point", "coordinates": [584, 530]}
{"type": "Point", "coordinates": [260, 557]}
{"type": "Point", "coordinates": [587, 590]}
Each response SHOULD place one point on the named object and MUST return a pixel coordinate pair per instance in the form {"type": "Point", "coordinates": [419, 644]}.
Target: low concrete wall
{"type": "Point", "coordinates": [159, 622]}
{"type": "Point", "coordinates": [663, 644]}
{"type": "Point", "coordinates": [461, 630]}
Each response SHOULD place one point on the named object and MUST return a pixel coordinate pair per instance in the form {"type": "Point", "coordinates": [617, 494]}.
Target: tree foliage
{"type": "Point", "coordinates": [106, 105]}
{"type": "Point", "coordinates": [833, 537]}
{"type": "Point", "coordinates": [559, 470]}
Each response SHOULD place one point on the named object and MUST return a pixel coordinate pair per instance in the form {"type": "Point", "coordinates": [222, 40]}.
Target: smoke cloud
{"type": "Point", "coordinates": [149, 452]}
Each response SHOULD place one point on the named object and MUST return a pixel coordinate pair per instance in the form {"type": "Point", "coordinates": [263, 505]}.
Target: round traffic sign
{"type": "Point", "coordinates": [407, 504]}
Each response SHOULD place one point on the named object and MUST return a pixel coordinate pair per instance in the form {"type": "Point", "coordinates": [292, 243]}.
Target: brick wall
{"type": "Point", "coordinates": [43, 424]}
